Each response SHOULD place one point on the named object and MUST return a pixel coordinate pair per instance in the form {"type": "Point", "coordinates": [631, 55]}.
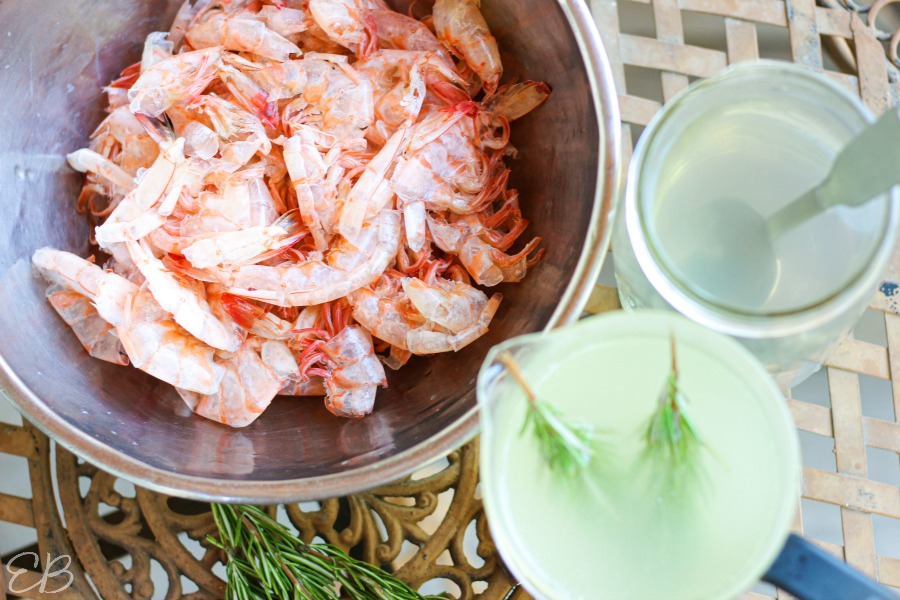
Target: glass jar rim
{"type": "Point", "coordinates": [719, 315]}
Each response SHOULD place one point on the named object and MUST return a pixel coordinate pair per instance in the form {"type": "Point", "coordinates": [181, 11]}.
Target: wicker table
{"type": "Point", "coordinates": [426, 527]}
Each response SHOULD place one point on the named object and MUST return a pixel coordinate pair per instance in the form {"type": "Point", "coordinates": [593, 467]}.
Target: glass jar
{"type": "Point", "coordinates": [758, 135]}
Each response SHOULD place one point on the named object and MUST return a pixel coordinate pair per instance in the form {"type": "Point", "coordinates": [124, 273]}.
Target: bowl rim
{"type": "Point", "coordinates": [573, 300]}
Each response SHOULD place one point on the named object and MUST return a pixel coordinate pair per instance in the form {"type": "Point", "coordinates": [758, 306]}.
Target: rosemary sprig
{"type": "Point", "coordinates": [671, 434]}
{"type": "Point", "coordinates": [567, 446]}
{"type": "Point", "coordinates": [265, 561]}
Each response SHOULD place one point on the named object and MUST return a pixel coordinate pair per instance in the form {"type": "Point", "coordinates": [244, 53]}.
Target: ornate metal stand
{"type": "Point", "coordinates": [117, 532]}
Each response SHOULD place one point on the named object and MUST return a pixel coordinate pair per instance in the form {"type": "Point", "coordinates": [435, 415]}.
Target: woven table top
{"type": "Point", "coordinates": [123, 542]}
{"type": "Point", "coordinates": [661, 38]}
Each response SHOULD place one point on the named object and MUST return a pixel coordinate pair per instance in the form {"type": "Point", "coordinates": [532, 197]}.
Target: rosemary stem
{"type": "Point", "coordinates": [506, 359]}
{"type": "Point", "coordinates": [674, 375]}
{"type": "Point", "coordinates": [674, 354]}
{"type": "Point", "coordinates": [268, 562]}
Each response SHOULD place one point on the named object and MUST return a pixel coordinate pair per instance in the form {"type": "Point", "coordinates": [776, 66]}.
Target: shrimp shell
{"type": "Point", "coordinates": [315, 282]}
{"type": "Point", "coordinates": [178, 79]}
{"type": "Point", "coordinates": [267, 155]}
{"type": "Point", "coordinates": [180, 297]}
{"type": "Point", "coordinates": [97, 336]}
{"type": "Point", "coordinates": [460, 25]}
{"type": "Point", "coordinates": [246, 389]}
{"type": "Point", "coordinates": [429, 340]}
{"type": "Point", "coordinates": [108, 291]}
{"type": "Point", "coordinates": [241, 34]}
{"type": "Point", "coordinates": [157, 345]}
{"type": "Point", "coordinates": [356, 373]}
{"type": "Point", "coordinates": [396, 30]}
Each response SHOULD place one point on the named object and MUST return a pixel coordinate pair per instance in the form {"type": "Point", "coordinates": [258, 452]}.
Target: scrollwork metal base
{"type": "Point", "coordinates": [424, 528]}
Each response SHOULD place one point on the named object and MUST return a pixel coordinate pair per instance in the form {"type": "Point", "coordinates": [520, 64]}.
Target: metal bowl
{"type": "Point", "coordinates": [54, 62]}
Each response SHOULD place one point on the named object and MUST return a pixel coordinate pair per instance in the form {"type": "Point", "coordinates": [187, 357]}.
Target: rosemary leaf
{"type": "Point", "coordinates": [671, 435]}
{"type": "Point", "coordinates": [568, 446]}
{"type": "Point", "coordinates": [266, 561]}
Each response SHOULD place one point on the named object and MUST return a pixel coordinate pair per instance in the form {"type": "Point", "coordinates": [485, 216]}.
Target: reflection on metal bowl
{"type": "Point", "coordinates": [134, 426]}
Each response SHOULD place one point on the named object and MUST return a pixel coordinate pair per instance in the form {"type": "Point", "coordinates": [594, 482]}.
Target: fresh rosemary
{"type": "Point", "coordinates": [566, 445]}
{"type": "Point", "coordinates": [265, 561]}
{"type": "Point", "coordinates": [671, 435]}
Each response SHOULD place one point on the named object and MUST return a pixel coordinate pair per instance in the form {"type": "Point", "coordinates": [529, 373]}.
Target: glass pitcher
{"type": "Point", "coordinates": [569, 538]}
{"type": "Point", "coordinates": [619, 530]}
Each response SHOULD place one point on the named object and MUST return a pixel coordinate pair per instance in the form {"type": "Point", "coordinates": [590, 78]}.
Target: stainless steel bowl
{"type": "Point", "coordinates": [53, 62]}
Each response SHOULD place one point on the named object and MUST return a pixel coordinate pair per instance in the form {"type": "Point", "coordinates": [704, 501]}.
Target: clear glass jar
{"type": "Point", "coordinates": [759, 134]}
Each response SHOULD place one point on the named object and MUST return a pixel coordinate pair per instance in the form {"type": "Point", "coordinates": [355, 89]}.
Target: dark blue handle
{"type": "Point", "coordinates": [809, 573]}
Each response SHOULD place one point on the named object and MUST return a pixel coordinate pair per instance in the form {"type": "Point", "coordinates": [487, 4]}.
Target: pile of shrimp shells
{"type": "Point", "coordinates": [286, 188]}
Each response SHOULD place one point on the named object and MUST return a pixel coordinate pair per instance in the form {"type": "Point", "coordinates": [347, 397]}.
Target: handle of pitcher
{"type": "Point", "coordinates": [809, 573]}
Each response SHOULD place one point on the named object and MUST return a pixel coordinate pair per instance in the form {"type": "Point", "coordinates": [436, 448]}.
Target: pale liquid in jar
{"type": "Point", "coordinates": [757, 153]}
